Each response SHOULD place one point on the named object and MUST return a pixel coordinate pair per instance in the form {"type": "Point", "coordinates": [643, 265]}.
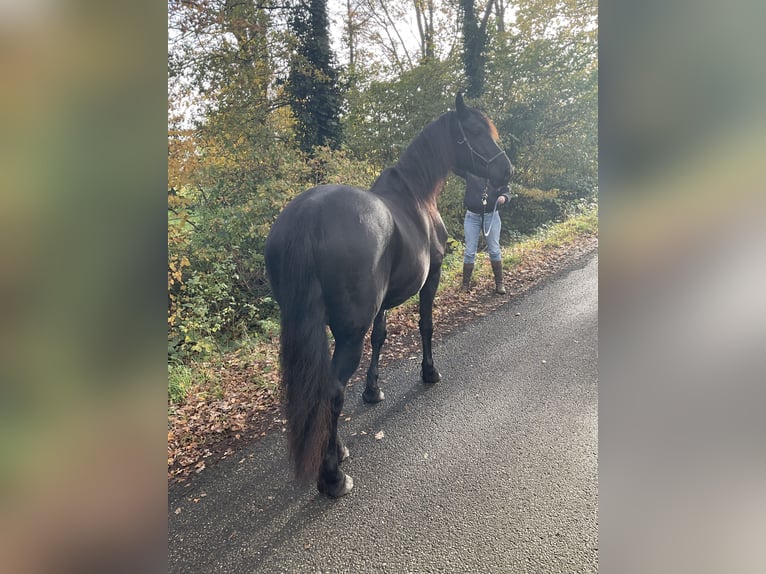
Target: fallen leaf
{"type": "Point", "coordinates": [379, 435]}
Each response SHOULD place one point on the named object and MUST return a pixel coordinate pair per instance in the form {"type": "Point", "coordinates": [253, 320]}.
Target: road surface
{"type": "Point", "coordinates": [493, 469]}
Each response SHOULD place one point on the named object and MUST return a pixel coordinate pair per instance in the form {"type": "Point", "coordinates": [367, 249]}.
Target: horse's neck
{"type": "Point", "coordinates": [428, 159]}
{"type": "Point", "coordinates": [424, 165]}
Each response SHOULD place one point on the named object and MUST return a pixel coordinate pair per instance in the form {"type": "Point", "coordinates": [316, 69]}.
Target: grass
{"type": "Point", "coordinates": [567, 231]}
{"type": "Point", "coordinates": [194, 378]}
{"type": "Point", "coordinates": [180, 381]}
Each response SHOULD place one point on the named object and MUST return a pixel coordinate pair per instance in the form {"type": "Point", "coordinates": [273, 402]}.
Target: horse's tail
{"type": "Point", "coordinates": [308, 383]}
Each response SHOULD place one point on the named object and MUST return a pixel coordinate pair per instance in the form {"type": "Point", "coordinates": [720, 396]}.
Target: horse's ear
{"type": "Point", "coordinates": [460, 105]}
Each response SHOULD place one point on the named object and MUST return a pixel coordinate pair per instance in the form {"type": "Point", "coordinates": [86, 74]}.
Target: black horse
{"type": "Point", "coordinates": [339, 256]}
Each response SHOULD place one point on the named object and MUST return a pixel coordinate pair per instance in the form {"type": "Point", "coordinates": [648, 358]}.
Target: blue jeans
{"type": "Point", "coordinates": [472, 229]}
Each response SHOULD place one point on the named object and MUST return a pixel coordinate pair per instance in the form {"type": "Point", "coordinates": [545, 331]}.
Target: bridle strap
{"type": "Point", "coordinates": [487, 162]}
{"type": "Point", "coordinates": [467, 143]}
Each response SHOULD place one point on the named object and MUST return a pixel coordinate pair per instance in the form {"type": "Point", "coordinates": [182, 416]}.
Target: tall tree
{"type": "Point", "coordinates": [351, 28]}
{"type": "Point", "coordinates": [424, 12]}
{"type": "Point", "coordinates": [399, 36]}
{"type": "Point", "coordinates": [313, 84]}
{"type": "Point", "coordinates": [474, 46]}
{"type": "Point", "coordinates": [500, 16]}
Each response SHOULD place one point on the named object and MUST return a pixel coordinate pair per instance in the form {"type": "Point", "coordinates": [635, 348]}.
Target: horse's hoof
{"type": "Point", "coordinates": [343, 454]}
{"type": "Point", "coordinates": [372, 396]}
{"type": "Point", "coordinates": [348, 484]}
{"type": "Point", "coordinates": [430, 377]}
{"type": "Point", "coordinates": [341, 489]}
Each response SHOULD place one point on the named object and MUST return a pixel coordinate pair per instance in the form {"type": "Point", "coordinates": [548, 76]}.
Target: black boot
{"type": "Point", "coordinates": [497, 269]}
{"type": "Point", "coordinates": [467, 271]}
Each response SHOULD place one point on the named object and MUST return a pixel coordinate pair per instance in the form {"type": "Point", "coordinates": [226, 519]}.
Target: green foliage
{"type": "Point", "coordinates": [529, 209]}
{"type": "Point", "coordinates": [451, 206]}
{"type": "Point", "coordinates": [544, 96]}
{"type": "Point", "coordinates": [270, 325]}
{"type": "Point", "coordinates": [315, 94]}
{"type": "Point", "coordinates": [384, 118]}
{"type": "Point", "coordinates": [223, 292]}
{"type": "Point", "coordinates": [340, 167]}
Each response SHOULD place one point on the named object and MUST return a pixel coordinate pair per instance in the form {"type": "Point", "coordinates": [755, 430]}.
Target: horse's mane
{"type": "Point", "coordinates": [423, 167]}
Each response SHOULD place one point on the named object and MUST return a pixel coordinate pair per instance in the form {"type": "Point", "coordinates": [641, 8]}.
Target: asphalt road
{"type": "Point", "coordinates": [493, 469]}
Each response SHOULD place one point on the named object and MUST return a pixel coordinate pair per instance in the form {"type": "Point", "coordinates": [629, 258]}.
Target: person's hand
{"type": "Point", "coordinates": [501, 200]}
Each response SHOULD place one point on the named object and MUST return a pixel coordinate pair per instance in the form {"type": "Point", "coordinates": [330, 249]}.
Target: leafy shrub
{"type": "Point", "coordinates": [528, 210]}
{"type": "Point", "coordinates": [217, 283]}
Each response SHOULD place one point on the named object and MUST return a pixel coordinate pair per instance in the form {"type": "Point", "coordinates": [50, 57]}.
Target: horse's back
{"type": "Point", "coordinates": [338, 219]}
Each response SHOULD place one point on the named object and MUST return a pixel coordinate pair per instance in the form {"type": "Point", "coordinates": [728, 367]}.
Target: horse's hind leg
{"type": "Point", "coordinates": [429, 374]}
{"type": "Point", "coordinates": [333, 481]}
{"type": "Point", "coordinates": [372, 392]}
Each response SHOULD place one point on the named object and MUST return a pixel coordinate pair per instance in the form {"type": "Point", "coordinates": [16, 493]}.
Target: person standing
{"type": "Point", "coordinates": [482, 203]}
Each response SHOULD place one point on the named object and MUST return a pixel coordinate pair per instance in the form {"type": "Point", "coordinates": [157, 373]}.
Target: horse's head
{"type": "Point", "coordinates": [477, 150]}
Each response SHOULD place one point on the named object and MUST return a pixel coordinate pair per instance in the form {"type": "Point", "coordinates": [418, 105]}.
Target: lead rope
{"type": "Point", "coordinates": [484, 197]}
{"type": "Point", "coordinates": [492, 222]}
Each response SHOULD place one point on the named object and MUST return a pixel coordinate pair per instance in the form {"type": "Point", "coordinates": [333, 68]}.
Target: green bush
{"type": "Point", "coordinates": [528, 210]}
{"type": "Point", "coordinates": [223, 293]}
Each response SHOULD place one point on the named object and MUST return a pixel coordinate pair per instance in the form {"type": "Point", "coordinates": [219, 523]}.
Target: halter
{"type": "Point", "coordinates": [486, 161]}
